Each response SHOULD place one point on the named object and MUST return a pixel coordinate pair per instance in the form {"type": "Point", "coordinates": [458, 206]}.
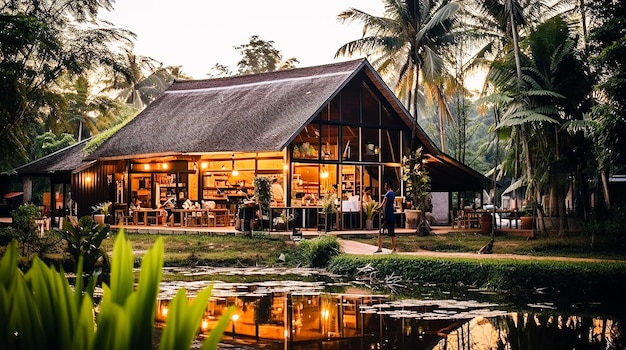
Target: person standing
{"type": "Point", "coordinates": [367, 196]}
{"type": "Point", "coordinates": [389, 217]}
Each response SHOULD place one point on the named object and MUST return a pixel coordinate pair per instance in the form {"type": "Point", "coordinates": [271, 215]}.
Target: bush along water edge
{"type": "Point", "coordinates": [565, 279]}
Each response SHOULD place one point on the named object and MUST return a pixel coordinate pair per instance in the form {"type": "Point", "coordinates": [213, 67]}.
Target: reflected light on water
{"type": "Point", "coordinates": [298, 316]}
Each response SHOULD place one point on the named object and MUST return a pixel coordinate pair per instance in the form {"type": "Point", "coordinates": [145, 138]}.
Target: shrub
{"type": "Point", "coordinates": [24, 231]}
{"type": "Point", "coordinates": [40, 310]}
{"type": "Point", "coordinates": [83, 238]}
{"type": "Point", "coordinates": [317, 252]}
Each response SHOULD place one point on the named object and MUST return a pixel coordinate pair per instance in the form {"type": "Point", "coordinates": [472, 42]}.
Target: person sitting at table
{"type": "Point", "coordinates": [278, 196]}
{"type": "Point", "coordinates": [183, 202]}
{"type": "Point", "coordinates": [134, 205]}
{"type": "Point", "coordinates": [167, 206]}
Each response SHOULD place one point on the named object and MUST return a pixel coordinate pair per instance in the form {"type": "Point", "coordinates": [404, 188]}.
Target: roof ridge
{"type": "Point", "coordinates": [258, 83]}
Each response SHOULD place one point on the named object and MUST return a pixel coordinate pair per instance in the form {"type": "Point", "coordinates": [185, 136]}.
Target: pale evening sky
{"type": "Point", "coordinates": [198, 34]}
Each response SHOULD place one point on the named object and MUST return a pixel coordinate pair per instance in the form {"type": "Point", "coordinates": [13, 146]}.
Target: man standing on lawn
{"type": "Point", "coordinates": [389, 220]}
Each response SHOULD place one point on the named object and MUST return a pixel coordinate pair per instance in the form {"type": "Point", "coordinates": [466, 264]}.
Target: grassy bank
{"type": "Point", "coordinates": [493, 274]}
{"type": "Point", "coordinates": [192, 250]}
{"type": "Point", "coordinates": [604, 247]}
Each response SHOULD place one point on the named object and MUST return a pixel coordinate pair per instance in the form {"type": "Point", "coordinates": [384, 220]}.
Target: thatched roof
{"type": "Point", "coordinates": [259, 112]}
{"type": "Point", "coordinates": [66, 160]}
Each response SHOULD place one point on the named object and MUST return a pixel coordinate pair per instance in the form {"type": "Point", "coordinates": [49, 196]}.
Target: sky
{"type": "Point", "coordinates": [197, 34]}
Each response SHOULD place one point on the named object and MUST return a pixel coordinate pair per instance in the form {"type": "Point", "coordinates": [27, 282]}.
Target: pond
{"type": "Point", "coordinates": [303, 309]}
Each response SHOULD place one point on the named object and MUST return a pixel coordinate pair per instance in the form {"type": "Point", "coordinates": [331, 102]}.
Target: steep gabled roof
{"type": "Point", "coordinates": [259, 112]}
{"type": "Point", "coordinates": [65, 160]}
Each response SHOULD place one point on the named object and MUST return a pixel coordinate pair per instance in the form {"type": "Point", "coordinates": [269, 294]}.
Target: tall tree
{"type": "Point", "coordinates": [407, 45]}
{"type": "Point", "coordinates": [555, 91]}
{"type": "Point", "coordinates": [607, 45]}
{"type": "Point", "coordinates": [260, 56]}
{"type": "Point", "coordinates": [40, 42]}
{"type": "Point", "coordinates": [139, 80]}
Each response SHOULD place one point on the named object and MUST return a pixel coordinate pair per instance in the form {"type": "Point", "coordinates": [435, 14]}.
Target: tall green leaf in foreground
{"type": "Point", "coordinates": [40, 309]}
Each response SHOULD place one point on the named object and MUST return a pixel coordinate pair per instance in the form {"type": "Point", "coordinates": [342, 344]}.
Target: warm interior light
{"type": "Point", "coordinates": [205, 325]}
{"type": "Point", "coordinates": [324, 174]}
{"type": "Point", "coordinates": [235, 171]}
{"type": "Point", "coordinates": [204, 165]}
{"type": "Point", "coordinates": [164, 312]}
{"type": "Point", "coordinates": [234, 317]}
{"type": "Point", "coordinates": [165, 166]}
{"type": "Point", "coordinates": [146, 166]}
{"type": "Point", "coordinates": [88, 178]}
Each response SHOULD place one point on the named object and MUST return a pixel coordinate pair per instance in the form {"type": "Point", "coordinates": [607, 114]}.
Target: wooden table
{"type": "Point", "coordinates": [221, 216]}
{"type": "Point", "coordinates": [469, 218]}
{"type": "Point", "coordinates": [146, 212]}
{"type": "Point", "coordinates": [189, 215]}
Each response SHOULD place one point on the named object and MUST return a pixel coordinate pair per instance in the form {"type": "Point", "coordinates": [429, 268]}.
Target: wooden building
{"type": "Point", "coordinates": [310, 128]}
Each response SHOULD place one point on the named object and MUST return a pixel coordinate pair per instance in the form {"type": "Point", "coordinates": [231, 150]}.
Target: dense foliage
{"type": "Point", "coordinates": [40, 309]}
{"type": "Point", "coordinates": [317, 252]}
{"type": "Point", "coordinates": [83, 239]}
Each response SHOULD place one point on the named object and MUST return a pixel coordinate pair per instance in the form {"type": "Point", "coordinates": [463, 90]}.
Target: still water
{"type": "Point", "coordinates": [320, 311]}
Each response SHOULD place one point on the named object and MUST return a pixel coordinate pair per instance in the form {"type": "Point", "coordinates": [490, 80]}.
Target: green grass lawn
{"type": "Point", "coordinates": [574, 246]}
{"type": "Point", "coordinates": [181, 250]}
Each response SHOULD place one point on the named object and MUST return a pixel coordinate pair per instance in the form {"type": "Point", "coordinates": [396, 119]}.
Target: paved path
{"type": "Point", "coordinates": [354, 247]}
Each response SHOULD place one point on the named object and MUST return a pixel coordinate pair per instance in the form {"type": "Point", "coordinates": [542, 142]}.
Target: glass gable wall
{"type": "Point", "coordinates": [352, 144]}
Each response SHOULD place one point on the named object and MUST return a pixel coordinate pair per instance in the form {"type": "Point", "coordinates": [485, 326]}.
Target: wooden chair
{"type": "Point", "coordinates": [454, 219]}
{"type": "Point", "coordinates": [121, 217]}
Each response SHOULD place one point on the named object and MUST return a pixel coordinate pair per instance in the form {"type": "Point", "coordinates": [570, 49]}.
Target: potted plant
{"type": "Point", "coordinates": [526, 220]}
{"type": "Point", "coordinates": [370, 211]}
{"type": "Point", "coordinates": [101, 211]}
{"type": "Point", "coordinates": [329, 208]}
{"type": "Point", "coordinates": [417, 184]}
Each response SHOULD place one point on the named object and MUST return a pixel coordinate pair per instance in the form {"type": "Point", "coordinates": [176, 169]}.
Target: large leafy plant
{"type": "Point", "coordinates": [416, 178]}
{"type": "Point", "coordinates": [263, 192]}
{"type": "Point", "coordinates": [369, 209]}
{"type": "Point", "coordinates": [102, 208]}
{"type": "Point", "coordinates": [83, 238]}
{"type": "Point", "coordinates": [40, 309]}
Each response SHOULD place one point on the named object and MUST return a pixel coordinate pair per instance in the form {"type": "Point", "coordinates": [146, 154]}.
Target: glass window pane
{"type": "Point", "coordinates": [330, 137]}
{"type": "Point", "coordinates": [350, 143]}
{"type": "Point", "coordinates": [388, 121]}
{"type": "Point", "coordinates": [371, 108]}
{"type": "Point", "coordinates": [390, 147]}
{"type": "Point", "coordinates": [370, 145]}
{"type": "Point", "coordinates": [307, 144]}
{"type": "Point", "coordinates": [335, 110]}
{"type": "Point", "coordinates": [351, 103]}
{"type": "Point", "coordinates": [305, 183]}
{"type": "Point", "coordinates": [371, 178]}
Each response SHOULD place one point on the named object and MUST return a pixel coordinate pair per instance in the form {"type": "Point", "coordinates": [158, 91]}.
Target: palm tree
{"type": "Point", "coordinates": [554, 91]}
{"type": "Point", "coordinates": [43, 41]}
{"type": "Point", "coordinates": [407, 46]}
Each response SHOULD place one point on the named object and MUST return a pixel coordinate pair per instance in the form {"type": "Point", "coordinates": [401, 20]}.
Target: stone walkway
{"type": "Point", "coordinates": [359, 248]}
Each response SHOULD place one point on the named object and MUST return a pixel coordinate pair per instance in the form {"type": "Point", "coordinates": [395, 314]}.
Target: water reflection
{"type": "Point", "coordinates": [298, 315]}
